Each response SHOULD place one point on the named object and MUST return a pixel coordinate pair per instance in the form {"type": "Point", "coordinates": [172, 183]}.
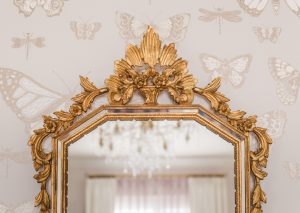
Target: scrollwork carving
{"type": "Point", "coordinates": [149, 69]}
{"type": "Point", "coordinates": [258, 158]}
{"type": "Point", "coordinates": [52, 126]}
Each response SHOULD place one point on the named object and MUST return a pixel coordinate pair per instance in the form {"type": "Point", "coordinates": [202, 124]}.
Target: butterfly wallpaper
{"type": "Point", "coordinates": [253, 45]}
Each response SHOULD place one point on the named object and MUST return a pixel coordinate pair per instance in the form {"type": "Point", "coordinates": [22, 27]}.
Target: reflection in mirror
{"type": "Point", "coordinates": [149, 167]}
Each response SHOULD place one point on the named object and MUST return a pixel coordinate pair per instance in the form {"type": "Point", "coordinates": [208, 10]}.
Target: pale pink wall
{"type": "Point", "coordinates": [69, 57]}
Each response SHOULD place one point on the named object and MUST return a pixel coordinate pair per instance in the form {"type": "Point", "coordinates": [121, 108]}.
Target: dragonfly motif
{"type": "Point", "coordinates": [220, 15]}
{"type": "Point", "coordinates": [27, 42]}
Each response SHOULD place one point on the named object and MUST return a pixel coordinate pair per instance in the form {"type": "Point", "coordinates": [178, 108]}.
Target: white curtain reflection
{"type": "Point", "coordinates": [100, 195]}
{"type": "Point", "coordinates": [155, 195]}
{"type": "Point", "coordinates": [208, 195]}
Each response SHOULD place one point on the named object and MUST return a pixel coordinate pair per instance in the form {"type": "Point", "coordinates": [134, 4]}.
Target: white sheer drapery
{"type": "Point", "coordinates": [208, 195]}
{"type": "Point", "coordinates": [100, 195]}
{"type": "Point", "coordinates": [155, 195]}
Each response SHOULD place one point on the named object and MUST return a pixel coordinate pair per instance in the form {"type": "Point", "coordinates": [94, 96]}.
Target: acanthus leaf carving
{"type": "Point", "coordinates": [150, 69]}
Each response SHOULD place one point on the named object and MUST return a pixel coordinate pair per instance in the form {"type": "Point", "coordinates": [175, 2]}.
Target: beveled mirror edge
{"type": "Point", "coordinates": [180, 85]}
{"type": "Point", "coordinates": [143, 107]}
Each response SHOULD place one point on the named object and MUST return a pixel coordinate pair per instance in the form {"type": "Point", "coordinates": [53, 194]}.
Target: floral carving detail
{"type": "Point", "coordinates": [140, 81]}
{"type": "Point", "coordinates": [160, 81]}
{"type": "Point", "coordinates": [224, 109]}
{"type": "Point", "coordinates": [258, 158]}
{"type": "Point", "coordinates": [75, 110]}
{"type": "Point", "coordinates": [53, 126]}
{"type": "Point", "coordinates": [49, 124]}
{"type": "Point", "coordinates": [151, 69]}
{"type": "Point", "coordinates": [248, 124]}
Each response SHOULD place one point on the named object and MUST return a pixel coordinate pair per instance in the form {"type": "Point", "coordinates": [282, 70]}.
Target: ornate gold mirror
{"type": "Point", "coordinates": [152, 147]}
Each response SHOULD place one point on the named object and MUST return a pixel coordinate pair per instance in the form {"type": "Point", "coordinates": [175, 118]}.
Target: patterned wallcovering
{"type": "Point", "coordinates": [46, 44]}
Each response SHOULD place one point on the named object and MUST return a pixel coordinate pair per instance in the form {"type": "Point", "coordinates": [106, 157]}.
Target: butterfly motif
{"type": "Point", "coordinates": [51, 7]}
{"type": "Point", "coordinates": [270, 34]}
{"type": "Point", "coordinates": [28, 41]}
{"type": "Point", "coordinates": [27, 98]}
{"type": "Point", "coordinates": [171, 30]}
{"type": "Point", "coordinates": [274, 121]}
{"type": "Point", "coordinates": [287, 78]}
{"type": "Point", "coordinates": [255, 7]}
{"type": "Point", "coordinates": [21, 157]}
{"type": "Point", "coordinates": [27, 207]}
{"type": "Point", "coordinates": [85, 30]}
{"type": "Point", "coordinates": [229, 70]}
{"type": "Point", "coordinates": [220, 15]}
{"type": "Point", "coordinates": [293, 169]}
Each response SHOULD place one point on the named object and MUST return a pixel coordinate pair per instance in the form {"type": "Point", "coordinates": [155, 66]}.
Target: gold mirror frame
{"type": "Point", "coordinates": [174, 78]}
{"type": "Point", "coordinates": [107, 113]}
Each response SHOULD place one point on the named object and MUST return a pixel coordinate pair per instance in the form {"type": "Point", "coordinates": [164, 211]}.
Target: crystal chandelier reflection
{"type": "Point", "coordinates": [142, 146]}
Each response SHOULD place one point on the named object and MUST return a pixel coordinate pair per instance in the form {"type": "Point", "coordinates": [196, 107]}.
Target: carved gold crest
{"type": "Point", "coordinates": [150, 69]}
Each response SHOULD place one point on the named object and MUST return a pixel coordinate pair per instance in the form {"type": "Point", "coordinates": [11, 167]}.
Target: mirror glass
{"type": "Point", "coordinates": [149, 167]}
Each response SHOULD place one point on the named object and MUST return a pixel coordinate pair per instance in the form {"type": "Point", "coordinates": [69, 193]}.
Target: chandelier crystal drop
{"type": "Point", "coordinates": [142, 147]}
